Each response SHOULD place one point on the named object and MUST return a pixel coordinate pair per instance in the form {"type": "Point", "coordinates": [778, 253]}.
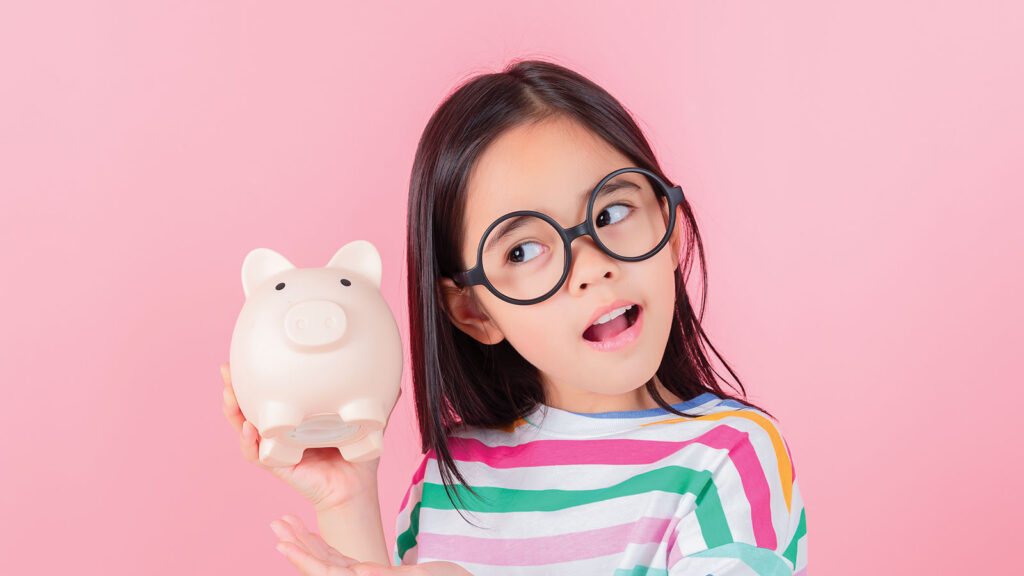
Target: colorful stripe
{"type": "Point", "coordinates": [633, 452]}
{"type": "Point", "coordinates": [547, 549]}
{"type": "Point", "coordinates": [764, 562]}
{"type": "Point", "coordinates": [786, 470]}
{"type": "Point", "coordinates": [801, 530]}
{"type": "Point", "coordinates": [672, 464]}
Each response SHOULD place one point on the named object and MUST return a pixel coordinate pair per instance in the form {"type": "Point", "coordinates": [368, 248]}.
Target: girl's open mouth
{"type": "Point", "coordinates": [617, 331]}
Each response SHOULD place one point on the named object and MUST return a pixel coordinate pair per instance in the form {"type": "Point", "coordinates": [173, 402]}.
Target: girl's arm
{"type": "Point", "coordinates": [760, 523]}
{"type": "Point", "coordinates": [355, 530]}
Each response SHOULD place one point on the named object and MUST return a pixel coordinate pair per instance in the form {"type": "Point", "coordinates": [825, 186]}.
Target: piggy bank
{"type": "Point", "coordinates": [316, 357]}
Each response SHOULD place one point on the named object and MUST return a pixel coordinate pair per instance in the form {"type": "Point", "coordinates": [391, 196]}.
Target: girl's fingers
{"type": "Point", "coordinates": [302, 560]}
{"type": "Point", "coordinates": [230, 404]}
{"type": "Point", "coordinates": [248, 436]}
{"type": "Point", "coordinates": [231, 410]}
{"type": "Point", "coordinates": [249, 441]}
{"type": "Point", "coordinates": [299, 530]}
{"type": "Point", "coordinates": [315, 544]}
{"type": "Point", "coordinates": [284, 532]}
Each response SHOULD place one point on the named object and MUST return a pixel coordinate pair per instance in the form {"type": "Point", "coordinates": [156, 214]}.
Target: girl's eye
{"type": "Point", "coordinates": [612, 214]}
{"type": "Point", "coordinates": [519, 252]}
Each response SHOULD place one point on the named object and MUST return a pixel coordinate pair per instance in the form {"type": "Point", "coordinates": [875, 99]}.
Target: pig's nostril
{"type": "Point", "coordinates": [315, 323]}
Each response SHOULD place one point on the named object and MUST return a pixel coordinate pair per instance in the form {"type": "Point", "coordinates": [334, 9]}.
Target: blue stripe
{"type": "Point", "coordinates": [763, 561]}
{"type": "Point", "coordinates": [702, 399]}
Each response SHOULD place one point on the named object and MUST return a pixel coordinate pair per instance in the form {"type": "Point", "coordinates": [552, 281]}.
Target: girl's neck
{"type": "Point", "coordinates": [576, 400]}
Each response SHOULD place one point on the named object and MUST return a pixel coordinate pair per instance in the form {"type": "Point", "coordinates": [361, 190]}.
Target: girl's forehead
{"type": "Point", "coordinates": [550, 167]}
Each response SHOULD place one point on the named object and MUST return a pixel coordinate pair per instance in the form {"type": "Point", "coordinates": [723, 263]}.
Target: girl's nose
{"type": "Point", "coordinates": [589, 264]}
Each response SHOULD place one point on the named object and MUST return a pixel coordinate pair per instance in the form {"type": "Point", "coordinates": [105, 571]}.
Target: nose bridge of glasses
{"type": "Point", "coordinates": [576, 231]}
{"type": "Point", "coordinates": [574, 251]}
{"type": "Point", "coordinates": [581, 229]}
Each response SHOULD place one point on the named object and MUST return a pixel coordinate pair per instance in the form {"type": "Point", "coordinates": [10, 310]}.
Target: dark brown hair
{"type": "Point", "coordinates": [457, 380]}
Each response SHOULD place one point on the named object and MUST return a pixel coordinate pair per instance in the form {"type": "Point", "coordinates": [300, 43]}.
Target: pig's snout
{"type": "Point", "coordinates": [314, 323]}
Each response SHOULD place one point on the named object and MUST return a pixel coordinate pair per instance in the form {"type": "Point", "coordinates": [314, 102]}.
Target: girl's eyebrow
{"type": "Point", "coordinates": [506, 228]}
{"type": "Point", "coordinates": [609, 187]}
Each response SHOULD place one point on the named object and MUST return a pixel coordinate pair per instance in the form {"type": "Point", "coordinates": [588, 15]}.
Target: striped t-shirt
{"type": "Point", "coordinates": [636, 492]}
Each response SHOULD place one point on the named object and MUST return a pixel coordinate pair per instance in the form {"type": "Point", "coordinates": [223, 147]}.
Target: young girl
{"type": "Point", "coordinates": [571, 420]}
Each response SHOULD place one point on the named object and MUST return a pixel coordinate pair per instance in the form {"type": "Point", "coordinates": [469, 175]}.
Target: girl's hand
{"type": "Point", "coordinates": [323, 476]}
{"type": "Point", "coordinates": [313, 557]}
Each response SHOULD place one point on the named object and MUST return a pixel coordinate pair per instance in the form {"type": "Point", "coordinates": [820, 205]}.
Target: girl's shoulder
{"type": "Point", "coordinates": [699, 414]}
{"type": "Point", "coordinates": [707, 419]}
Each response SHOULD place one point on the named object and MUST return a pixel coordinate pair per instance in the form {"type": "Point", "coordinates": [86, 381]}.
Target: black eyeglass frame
{"type": "Point", "coordinates": [476, 276]}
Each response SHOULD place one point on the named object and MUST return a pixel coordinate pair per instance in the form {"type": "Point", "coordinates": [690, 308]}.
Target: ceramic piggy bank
{"type": "Point", "coordinates": [316, 357]}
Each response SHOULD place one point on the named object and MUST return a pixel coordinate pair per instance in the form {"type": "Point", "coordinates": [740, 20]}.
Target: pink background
{"type": "Point", "coordinates": [856, 170]}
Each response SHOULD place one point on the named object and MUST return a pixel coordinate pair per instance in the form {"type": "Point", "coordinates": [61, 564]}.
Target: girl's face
{"type": "Point", "coordinates": [547, 167]}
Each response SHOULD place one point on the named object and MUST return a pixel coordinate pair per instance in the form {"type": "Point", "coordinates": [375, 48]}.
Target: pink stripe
{"type": "Point", "coordinates": [611, 452]}
{"type": "Point", "coordinates": [417, 476]}
{"type": "Point", "coordinates": [673, 550]}
{"type": "Point", "coordinates": [801, 573]}
{"type": "Point", "coordinates": [544, 549]}
{"type": "Point", "coordinates": [675, 554]}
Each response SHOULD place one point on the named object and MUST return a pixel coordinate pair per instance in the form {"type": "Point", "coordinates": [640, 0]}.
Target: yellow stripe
{"type": "Point", "coordinates": [511, 427]}
{"type": "Point", "coordinates": [785, 467]}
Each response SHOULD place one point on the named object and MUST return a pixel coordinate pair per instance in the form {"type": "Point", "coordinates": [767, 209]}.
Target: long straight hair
{"type": "Point", "coordinates": [457, 380]}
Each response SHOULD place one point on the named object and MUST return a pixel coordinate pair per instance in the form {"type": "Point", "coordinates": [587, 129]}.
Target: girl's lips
{"type": "Point", "coordinates": [622, 338]}
{"type": "Point", "coordinates": [606, 309]}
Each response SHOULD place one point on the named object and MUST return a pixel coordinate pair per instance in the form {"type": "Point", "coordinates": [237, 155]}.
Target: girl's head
{"type": "Point", "coordinates": [550, 164]}
{"type": "Point", "coordinates": [538, 136]}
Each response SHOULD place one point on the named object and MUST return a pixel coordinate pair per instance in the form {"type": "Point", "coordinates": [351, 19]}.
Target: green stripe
{"type": "Point", "coordinates": [762, 560]}
{"type": "Point", "coordinates": [673, 479]}
{"type": "Point", "coordinates": [801, 529]}
{"type": "Point", "coordinates": [407, 539]}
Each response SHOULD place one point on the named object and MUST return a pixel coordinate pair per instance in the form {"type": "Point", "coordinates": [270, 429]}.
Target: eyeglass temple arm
{"type": "Point", "coordinates": [675, 194]}
{"type": "Point", "coordinates": [468, 277]}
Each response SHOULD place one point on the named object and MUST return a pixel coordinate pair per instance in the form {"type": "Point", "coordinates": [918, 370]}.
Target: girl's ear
{"type": "Point", "coordinates": [676, 242]}
{"type": "Point", "coordinates": [464, 311]}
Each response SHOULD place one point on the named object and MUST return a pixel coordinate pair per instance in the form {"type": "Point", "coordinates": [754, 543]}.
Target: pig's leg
{"type": "Point", "coordinates": [371, 415]}
{"type": "Point", "coordinates": [364, 409]}
{"type": "Point", "coordinates": [274, 452]}
{"type": "Point", "coordinates": [277, 418]}
{"type": "Point", "coordinates": [368, 448]}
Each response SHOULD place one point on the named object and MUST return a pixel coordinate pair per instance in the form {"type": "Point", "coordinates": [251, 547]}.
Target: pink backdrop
{"type": "Point", "coordinates": [856, 170]}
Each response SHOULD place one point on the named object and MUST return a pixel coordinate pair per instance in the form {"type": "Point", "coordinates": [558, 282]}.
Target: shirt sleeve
{"type": "Point", "coordinates": [407, 523]}
{"type": "Point", "coordinates": [751, 514]}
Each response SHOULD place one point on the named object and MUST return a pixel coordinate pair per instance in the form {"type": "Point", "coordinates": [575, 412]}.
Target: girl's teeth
{"type": "Point", "coordinates": [612, 315]}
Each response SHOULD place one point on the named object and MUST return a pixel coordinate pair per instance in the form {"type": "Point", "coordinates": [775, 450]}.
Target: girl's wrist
{"type": "Point", "coordinates": [355, 529]}
{"type": "Point", "coordinates": [359, 503]}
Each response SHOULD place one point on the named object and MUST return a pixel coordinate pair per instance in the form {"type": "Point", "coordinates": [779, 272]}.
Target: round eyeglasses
{"type": "Point", "coordinates": [524, 257]}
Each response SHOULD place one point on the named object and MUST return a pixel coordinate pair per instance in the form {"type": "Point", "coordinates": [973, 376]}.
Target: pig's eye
{"type": "Point", "coordinates": [279, 286]}
{"type": "Point", "coordinates": [345, 282]}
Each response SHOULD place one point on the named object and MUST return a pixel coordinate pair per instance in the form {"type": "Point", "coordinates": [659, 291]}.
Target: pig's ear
{"type": "Point", "coordinates": [260, 264]}
{"type": "Point", "coordinates": [359, 256]}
